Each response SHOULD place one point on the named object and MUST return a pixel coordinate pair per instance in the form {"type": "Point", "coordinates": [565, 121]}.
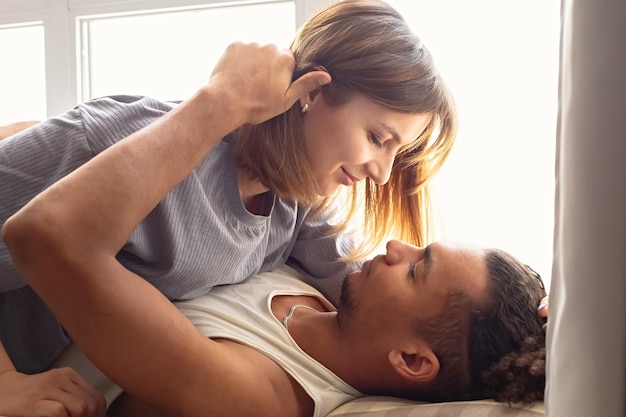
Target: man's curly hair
{"type": "Point", "coordinates": [507, 339]}
{"type": "Point", "coordinates": [493, 350]}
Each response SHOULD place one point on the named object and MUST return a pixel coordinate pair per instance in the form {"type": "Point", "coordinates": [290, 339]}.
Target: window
{"type": "Point", "coordinates": [169, 55]}
{"type": "Point", "coordinates": [22, 73]}
{"type": "Point", "coordinates": [500, 59]}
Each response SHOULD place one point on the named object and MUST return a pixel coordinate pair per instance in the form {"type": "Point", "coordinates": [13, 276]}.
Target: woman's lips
{"type": "Point", "coordinates": [349, 180]}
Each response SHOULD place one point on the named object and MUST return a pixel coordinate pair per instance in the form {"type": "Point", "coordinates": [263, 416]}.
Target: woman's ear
{"type": "Point", "coordinates": [311, 97]}
{"type": "Point", "coordinates": [418, 363]}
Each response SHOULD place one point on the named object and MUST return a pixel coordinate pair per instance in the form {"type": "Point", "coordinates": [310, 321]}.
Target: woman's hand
{"type": "Point", "coordinates": [542, 309]}
{"type": "Point", "coordinates": [256, 81]}
{"type": "Point", "coordinates": [54, 393]}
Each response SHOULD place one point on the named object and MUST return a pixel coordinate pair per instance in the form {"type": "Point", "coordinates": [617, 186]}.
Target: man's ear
{"type": "Point", "coordinates": [418, 363]}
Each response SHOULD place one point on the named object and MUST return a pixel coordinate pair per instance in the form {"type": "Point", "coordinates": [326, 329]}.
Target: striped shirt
{"type": "Point", "coordinates": [199, 236]}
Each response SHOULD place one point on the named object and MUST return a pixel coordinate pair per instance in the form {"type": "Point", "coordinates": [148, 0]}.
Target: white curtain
{"type": "Point", "coordinates": [587, 331]}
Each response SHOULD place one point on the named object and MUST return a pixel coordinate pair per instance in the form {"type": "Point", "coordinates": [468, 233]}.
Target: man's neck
{"type": "Point", "coordinates": [316, 331]}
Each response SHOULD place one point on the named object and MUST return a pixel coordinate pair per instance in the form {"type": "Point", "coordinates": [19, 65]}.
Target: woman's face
{"type": "Point", "coordinates": [355, 140]}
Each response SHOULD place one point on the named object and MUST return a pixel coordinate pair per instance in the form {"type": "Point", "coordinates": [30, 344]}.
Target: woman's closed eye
{"type": "Point", "coordinates": [375, 139]}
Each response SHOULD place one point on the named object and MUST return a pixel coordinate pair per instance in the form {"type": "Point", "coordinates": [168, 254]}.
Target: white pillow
{"type": "Point", "coordinates": [375, 406]}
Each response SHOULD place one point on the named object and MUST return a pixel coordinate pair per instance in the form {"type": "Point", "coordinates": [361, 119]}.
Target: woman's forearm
{"type": "Point", "coordinates": [97, 206]}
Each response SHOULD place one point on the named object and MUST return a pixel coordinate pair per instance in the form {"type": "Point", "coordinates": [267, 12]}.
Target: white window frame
{"type": "Point", "coordinates": [61, 21]}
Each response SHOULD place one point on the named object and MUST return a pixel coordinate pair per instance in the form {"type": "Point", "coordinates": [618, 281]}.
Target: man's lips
{"type": "Point", "coordinates": [366, 267]}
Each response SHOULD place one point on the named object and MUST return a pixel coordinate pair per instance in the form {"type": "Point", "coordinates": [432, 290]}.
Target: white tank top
{"type": "Point", "coordinates": [242, 312]}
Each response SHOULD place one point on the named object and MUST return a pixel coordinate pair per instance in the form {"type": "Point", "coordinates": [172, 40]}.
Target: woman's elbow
{"type": "Point", "coordinates": [30, 238]}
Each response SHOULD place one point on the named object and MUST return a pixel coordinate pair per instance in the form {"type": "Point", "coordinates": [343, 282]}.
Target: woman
{"type": "Point", "coordinates": [240, 178]}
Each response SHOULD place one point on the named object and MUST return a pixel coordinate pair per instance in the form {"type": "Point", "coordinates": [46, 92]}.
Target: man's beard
{"type": "Point", "coordinates": [346, 305]}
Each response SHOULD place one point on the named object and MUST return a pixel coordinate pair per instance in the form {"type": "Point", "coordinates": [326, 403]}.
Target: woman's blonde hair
{"type": "Point", "coordinates": [368, 49]}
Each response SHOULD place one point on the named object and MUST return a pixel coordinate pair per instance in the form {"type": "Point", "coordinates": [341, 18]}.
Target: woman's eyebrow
{"type": "Point", "coordinates": [393, 132]}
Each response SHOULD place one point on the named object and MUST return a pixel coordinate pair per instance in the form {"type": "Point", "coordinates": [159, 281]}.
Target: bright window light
{"type": "Point", "coordinates": [22, 74]}
{"type": "Point", "coordinates": [500, 59]}
{"type": "Point", "coordinates": [169, 55]}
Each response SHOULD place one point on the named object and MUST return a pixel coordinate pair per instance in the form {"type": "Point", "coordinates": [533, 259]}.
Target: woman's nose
{"type": "Point", "coordinates": [379, 170]}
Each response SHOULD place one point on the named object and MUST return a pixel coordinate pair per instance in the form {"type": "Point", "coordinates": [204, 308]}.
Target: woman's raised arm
{"type": "Point", "coordinates": [64, 242]}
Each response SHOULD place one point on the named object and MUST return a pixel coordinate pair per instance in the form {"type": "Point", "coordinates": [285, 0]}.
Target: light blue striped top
{"type": "Point", "coordinates": [199, 236]}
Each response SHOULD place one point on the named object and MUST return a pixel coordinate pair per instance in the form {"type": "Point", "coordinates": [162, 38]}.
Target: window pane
{"type": "Point", "coordinates": [169, 55]}
{"type": "Point", "coordinates": [500, 59]}
{"type": "Point", "coordinates": [22, 74]}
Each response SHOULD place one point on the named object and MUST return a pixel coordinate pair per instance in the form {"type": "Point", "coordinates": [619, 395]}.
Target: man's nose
{"type": "Point", "coordinates": [399, 251]}
{"type": "Point", "coordinates": [394, 252]}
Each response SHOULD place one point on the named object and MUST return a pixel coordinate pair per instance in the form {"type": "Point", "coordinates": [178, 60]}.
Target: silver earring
{"type": "Point", "coordinates": [305, 107]}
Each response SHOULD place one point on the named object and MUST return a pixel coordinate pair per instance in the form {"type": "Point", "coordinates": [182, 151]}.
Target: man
{"type": "Point", "coordinates": [417, 323]}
